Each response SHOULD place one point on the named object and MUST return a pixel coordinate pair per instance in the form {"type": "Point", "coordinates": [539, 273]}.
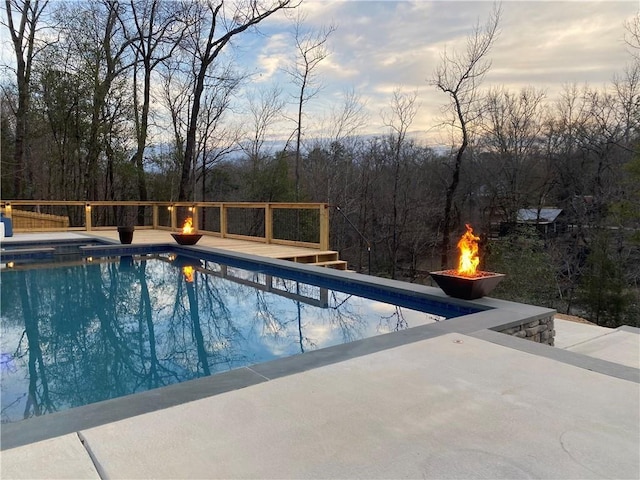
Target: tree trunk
{"type": "Point", "coordinates": [190, 147]}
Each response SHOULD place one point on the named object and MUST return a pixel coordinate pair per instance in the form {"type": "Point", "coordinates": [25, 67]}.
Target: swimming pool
{"type": "Point", "coordinates": [117, 320]}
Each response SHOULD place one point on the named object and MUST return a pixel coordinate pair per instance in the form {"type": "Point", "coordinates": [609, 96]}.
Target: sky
{"type": "Point", "coordinates": [381, 46]}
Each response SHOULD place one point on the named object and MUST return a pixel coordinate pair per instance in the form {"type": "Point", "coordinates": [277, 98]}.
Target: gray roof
{"type": "Point", "coordinates": [545, 215]}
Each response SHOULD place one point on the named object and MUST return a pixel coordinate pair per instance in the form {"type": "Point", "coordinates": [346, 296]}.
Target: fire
{"type": "Point", "coordinates": [187, 271]}
{"type": "Point", "coordinates": [188, 226]}
{"type": "Point", "coordinates": [469, 259]}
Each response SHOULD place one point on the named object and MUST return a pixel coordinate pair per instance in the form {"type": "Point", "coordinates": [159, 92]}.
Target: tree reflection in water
{"type": "Point", "coordinates": [79, 334]}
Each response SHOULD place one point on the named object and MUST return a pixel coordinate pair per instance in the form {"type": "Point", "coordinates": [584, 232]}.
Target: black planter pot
{"type": "Point", "coordinates": [126, 234]}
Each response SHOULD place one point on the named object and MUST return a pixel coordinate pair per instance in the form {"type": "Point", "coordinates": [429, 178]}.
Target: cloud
{"type": "Point", "coordinates": [551, 44]}
{"type": "Point", "coordinates": [384, 45]}
{"type": "Point", "coordinates": [272, 57]}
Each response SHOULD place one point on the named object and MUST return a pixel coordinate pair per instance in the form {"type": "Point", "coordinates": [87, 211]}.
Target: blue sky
{"type": "Point", "coordinates": [384, 45]}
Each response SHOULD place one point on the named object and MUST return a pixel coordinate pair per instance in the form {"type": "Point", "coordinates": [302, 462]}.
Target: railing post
{"type": "Point", "coordinates": [154, 215]}
{"type": "Point", "coordinates": [324, 226]}
{"type": "Point", "coordinates": [268, 222]}
{"type": "Point", "coordinates": [87, 217]}
{"type": "Point", "coordinates": [174, 223]}
{"type": "Point", "coordinates": [223, 220]}
{"type": "Point", "coordinates": [194, 219]}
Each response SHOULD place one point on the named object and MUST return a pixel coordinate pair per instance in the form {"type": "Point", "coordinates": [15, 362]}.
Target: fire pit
{"type": "Point", "coordinates": [467, 282]}
{"type": "Point", "coordinates": [187, 237]}
{"type": "Point", "coordinates": [466, 288]}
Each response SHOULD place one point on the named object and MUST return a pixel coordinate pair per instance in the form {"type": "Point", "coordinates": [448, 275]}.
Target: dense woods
{"type": "Point", "coordinates": [139, 101]}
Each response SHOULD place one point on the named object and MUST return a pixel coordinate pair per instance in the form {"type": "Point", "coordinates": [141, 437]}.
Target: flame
{"type": "Point", "coordinates": [188, 226]}
{"type": "Point", "coordinates": [187, 271]}
{"type": "Point", "coordinates": [469, 259]}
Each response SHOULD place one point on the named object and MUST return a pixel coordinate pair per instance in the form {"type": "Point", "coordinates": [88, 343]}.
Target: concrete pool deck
{"type": "Point", "coordinates": [470, 403]}
{"type": "Point", "coordinates": [452, 406]}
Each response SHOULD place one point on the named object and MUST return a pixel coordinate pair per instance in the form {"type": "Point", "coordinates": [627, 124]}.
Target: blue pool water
{"type": "Point", "coordinates": [95, 329]}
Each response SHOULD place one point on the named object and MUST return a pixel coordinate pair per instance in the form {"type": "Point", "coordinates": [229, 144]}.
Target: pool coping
{"type": "Point", "coordinates": [494, 314]}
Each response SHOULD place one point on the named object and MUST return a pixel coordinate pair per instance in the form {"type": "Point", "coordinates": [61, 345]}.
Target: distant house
{"type": "Point", "coordinates": [548, 221]}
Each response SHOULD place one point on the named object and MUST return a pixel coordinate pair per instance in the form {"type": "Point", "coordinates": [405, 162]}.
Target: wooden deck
{"type": "Point", "coordinates": [326, 258]}
{"type": "Point", "coordinates": [279, 237]}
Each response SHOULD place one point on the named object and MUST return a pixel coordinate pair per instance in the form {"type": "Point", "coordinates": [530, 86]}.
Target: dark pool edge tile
{"type": "Point", "coordinates": [36, 429]}
{"type": "Point", "coordinates": [286, 366]}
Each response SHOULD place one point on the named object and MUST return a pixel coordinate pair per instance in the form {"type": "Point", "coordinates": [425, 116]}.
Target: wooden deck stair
{"type": "Point", "coordinates": [321, 258]}
{"type": "Point", "coordinates": [329, 259]}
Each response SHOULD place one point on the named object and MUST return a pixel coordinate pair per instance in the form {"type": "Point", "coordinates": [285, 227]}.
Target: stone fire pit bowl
{"type": "Point", "coordinates": [187, 238]}
{"type": "Point", "coordinates": [467, 288]}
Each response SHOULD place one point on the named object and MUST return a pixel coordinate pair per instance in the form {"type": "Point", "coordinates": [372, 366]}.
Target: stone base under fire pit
{"type": "Point", "coordinates": [540, 331]}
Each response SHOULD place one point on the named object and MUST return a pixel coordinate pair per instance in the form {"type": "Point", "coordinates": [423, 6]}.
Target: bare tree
{"type": "Point", "coordinates": [403, 110]}
{"type": "Point", "coordinates": [155, 30]}
{"type": "Point", "coordinates": [459, 76]}
{"type": "Point", "coordinates": [632, 37]}
{"type": "Point", "coordinates": [23, 29]}
{"type": "Point", "coordinates": [218, 22]}
{"type": "Point", "coordinates": [348, 118]}
{"type": "Point", "coordinates": [215, 140]}
{"type": "Point", "coordinates": [330, 171]}
{"type": "Point", "coordinates": [311, 49]}
{"type": "Point", "coordinates": [512, 136]}
{"type": "Point", "coordinates": [98, 49]}
{"type": "Point", "coordinates": [265, 109]}
{"type": "Point", "coordinates": [175, 97]}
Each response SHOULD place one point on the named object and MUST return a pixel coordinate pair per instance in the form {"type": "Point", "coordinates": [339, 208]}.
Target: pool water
{"type": "Point", "coordinates": [102, 328]}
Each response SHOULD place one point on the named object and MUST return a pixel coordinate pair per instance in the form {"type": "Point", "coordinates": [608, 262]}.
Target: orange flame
{"type": "Point", "coordinates": [469, 259]}
{"type": "Point", "coordinates": [188, 226]}
{"type": "Point", "coordinates": [187, 271]}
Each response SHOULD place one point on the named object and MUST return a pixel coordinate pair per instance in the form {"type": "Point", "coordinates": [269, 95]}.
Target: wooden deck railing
{"type": "Point", "coordinates": [301, 224]}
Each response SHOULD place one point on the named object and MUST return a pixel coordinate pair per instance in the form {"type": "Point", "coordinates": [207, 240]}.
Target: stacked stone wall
{"type": "Point", "coordinates": [541, 331]}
